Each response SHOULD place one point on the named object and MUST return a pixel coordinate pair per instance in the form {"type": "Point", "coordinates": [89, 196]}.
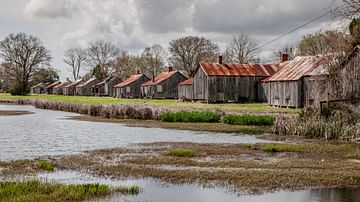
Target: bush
{"type": "Point", "coordinates": [193, 117]}
{"type": "Point", "coordinates": [249, 120]}
{"type": "Point", "coordinates": [282, 148]}
{"type": "Point", "coordinates": [17, 90]}
{"type": "Point", "coordinates": [45, 165]}
{"type": "Point", "coordinates": [180, 152]}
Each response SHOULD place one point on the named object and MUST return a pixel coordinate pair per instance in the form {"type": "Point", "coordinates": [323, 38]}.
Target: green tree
{"type": "Point", "coordinates": [45, 75]}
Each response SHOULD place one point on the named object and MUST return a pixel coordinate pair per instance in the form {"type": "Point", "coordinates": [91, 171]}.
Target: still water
{"type": "Point", "coordinates": [48, 132]}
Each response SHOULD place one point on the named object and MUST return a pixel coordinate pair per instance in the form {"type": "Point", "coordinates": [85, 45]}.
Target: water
{"type": "Point", "coordinates": [160, 192]}
{"type": "Point", "coordinates": [49, 133]}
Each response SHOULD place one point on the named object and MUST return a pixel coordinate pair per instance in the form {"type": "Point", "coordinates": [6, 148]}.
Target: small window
{"type": "Point", "coordinates": [128, 89]}
{"type": "Point", "coordinates": [159, 88]}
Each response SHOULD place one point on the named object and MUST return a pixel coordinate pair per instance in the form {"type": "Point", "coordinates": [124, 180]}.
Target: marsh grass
{"type": "Point", "coordinates": [282, 148]}
{"type": "Point", "coordinates": [45, 165]}
{"type": "Point", "coordinates": [192, 117]}
{"type": "Point", "coordinates": [249, 120]}
{"type": "Point", "coordinates": [180, 152]}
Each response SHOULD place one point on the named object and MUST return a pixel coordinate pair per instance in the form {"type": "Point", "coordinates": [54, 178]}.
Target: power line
{"type": "Point", "coordinates": [296, 29]}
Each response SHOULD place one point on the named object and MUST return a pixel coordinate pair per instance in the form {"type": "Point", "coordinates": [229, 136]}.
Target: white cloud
{"type": "Point", "coordinates": [48, 9]}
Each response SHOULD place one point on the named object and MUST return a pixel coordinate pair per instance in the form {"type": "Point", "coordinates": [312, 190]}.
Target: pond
{"type": "Point", "coordinates": [49, 132]}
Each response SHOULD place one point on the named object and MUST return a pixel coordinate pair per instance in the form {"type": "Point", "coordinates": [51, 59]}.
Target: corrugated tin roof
{"type": "Point", "coordinates": [53, 84]}
{"type": "Point", "coordinates": [299, 67]}
{"type": "Point", "coordinates": [187, 82]}
{"type": "Point", "coordinates": [237, 70]}
{"type": "Point", "coordinates": [38, 85]}
{"type": "Point", "coordinates": [108, 79]}
{"type": "Point", "coordinates": [87, 82]}
{"type": "Point", "coordinates": [129, 81]}
{"type": "Point", "coordinates": [61, 85]}
{"type": "Point", "coordinates": [160, 78]}
{"type": "Point", "coordinates": [74, 83]}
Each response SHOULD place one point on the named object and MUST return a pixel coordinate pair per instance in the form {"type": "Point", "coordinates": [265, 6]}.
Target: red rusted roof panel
{"type": "Point", "coordinates": [187, 82]}
{"type": "Point", "coordinates": [53, 84]}
{"type": "Point", "coordinates": [160, 78]}
{"type": "Point", "coordinates": [299, 67]}
{"type": "Point", "coordinates": [75, 83]}
{"type": "Point", "coordinates": [237, 70]}
{"type": "Point", "coordinates": [129, 81]}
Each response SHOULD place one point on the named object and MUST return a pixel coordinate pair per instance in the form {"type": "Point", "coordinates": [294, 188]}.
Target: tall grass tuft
{"type": "Point", "coordinates": [249, 120]}
{"type": "Point", "coordinates": [180, 152]}
{"type": "Point", "coordinates": [193, 117]}
{"type": "Point", "coordinates": [45, 165]}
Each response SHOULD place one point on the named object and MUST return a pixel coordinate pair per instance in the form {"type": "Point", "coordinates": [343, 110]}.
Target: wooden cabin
{"type": "Point", "coordinates": [186, 90]}
{"type": "Point", "coordinates": [49, 88]}
{"type": "Point", "coordinates": [106, 87]}
{"type": "Point", "coordinates": [59, 89]}
{"type": "Point", "coordinates": [350, 75]}
{"type": "Point", "coordinates": [218, 82]}
{"type": "Point", "coordinates": [38, 88]}
{"type": "Point", "coordinates": [87, 88]}
{"type": "Point", "coordinates": [293, 85]}
{"type": "Point", "coordinates": [130, 88]}
{"type": "Point", "coordinates": [71, 88]}
{"type": "Point", "coordinates": [164, 85]}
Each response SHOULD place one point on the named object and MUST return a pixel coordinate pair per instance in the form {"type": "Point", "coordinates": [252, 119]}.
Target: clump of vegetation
{"type": "Point", "coordinates": [193, 117]}
{"type": "Point", "coordinates": [249, 120]}
{"type": "Point", "coordinates": [180, 152]}
{"type": "Point", "coordinates": [45, 165]}
{"type": "Point", "coordinates": [132, 190]}
{"type": "Point", "coordinates": [42, 191]}
{"type": "Point", "coordinates": [282, 148]}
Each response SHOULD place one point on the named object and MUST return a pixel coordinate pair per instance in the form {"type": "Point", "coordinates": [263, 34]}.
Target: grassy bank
{"type": "Point", "coordinates": [43, 191]}
{"type": "Point", "coordinates": [230, 107]}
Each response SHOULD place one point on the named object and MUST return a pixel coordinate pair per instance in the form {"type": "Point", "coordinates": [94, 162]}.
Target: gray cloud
{"type": "Point", "coordinates": [49, 9]}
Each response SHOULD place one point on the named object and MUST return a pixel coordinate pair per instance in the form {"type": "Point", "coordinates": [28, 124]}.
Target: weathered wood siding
{"type": "Point", "coordinates": [200, 85]}
{"type": "Point", "coordinates": [350, 76]}
{"type": "Point", "coordinates": [186, 91]}
{"type": "Point", "coordinates": [285, 93]}
{"type": "Point", "coordinates": [109, 89]}
{"type": "Point", "coordinates": [132, 90]}
{"type": "Point", "coordinates": [87, 90]}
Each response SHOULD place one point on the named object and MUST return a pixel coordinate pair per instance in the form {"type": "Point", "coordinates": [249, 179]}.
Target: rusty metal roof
{"type": "Point", "coordinates": [187, 82]}
{"type": "Point", "coordinates": [240, 70]}
{"type": "Point", "coordinates": [299, 67]}
{"type": "Point", "coordinates": [73, 84]}
{"type": "Point", "coordinates": [61, 85]}
{"type": "Point", "coordinates": [38, 85]}
{"type": "Point", "coordinates": [160, 78]}
{"type": "Point", "coordinates": [53, 84]}
{"type": "Point", "coordinates": [130, 80]}
{"type": "Point", "coordinates": [87, 82]}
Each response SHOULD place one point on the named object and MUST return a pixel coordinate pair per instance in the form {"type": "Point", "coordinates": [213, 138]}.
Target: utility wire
{"type": "Point", "coordinates": [296, 29]}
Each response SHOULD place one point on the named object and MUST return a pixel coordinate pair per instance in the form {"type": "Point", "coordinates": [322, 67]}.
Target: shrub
{"type": "Point", "coordinates": [194, 117]}
{"type": "Point", "coordinates": [45, 165]}
{"type": "Point", "coordinates": [180, 152]}
{"type": "Point", "coordinates": [282, 148]}
{"type": "Point", "coordinates": [249, 120]}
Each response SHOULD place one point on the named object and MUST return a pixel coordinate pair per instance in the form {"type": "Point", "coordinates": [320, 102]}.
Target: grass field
{"type": "Point", "coordinates": [228, 107]}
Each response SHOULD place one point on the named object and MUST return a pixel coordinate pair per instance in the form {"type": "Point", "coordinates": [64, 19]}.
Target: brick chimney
{"type": "Point", "coordinates": [170, 69]}
{"type": "Point", "coordinates": [284, 57]}
{"type": "Point", "coordinates": [220, 59]}
{"type": "Point", "coordinates": [138, 71]}
{"type": "Point", "coordinates": [153, 78]}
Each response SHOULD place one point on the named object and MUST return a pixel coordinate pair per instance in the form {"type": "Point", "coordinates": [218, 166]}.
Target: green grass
{"type": "Point", "coordinates": [282, 148]}
{"type": "Point", "coordinates": [228, 107]}
{"type": "Point", "coordinates": [190, 117]}
{"type": "Point", "coordinates": [180, 152]}
{"type": "Point", "coordinates": [249, 120]}
{"type": "Point", "coordinates": [45, 165]}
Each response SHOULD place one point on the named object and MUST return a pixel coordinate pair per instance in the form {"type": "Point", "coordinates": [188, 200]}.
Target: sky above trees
{"type": "Point", "coordinates": [133, 25]}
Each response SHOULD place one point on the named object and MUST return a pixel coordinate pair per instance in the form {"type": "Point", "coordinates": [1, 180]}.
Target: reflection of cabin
{"type": "Point", "coordinates": [87, 88]}
{"type": "Point", "coordinates": [49, 88]}
{"type": "Point", "coordinates": [71, 88]}
{"type": "Point", "coordinates": [59, 89]}
{"type": "Point", "coordinates": [218, 82]}
{"type": "Point", "coordinates": [106, 87]}
{"type": "Point", "coordinates": [130, 88]}
{"type": "Point", "coordinates": [293, 85]}
{"type": "Point", "coordinates": [38, 88]}
{"type": "Point", "coordinates": [164, 85]}
{"type": "Point", "coordinates": [186, 89]}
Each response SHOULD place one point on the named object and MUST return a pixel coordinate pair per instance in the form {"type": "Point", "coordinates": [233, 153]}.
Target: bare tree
{"type": "Point", "coordinates": [75, 58]}
{"type": "Point", "coordinates": [103, 55]}
{"type": "Point", "coordinates": [241, 49]}
{"type": "Point", "coordinates": [155, 56]}
{"type": "Point", "coordinates": [350, 9]}
{"type": "Point", "coordinates": [287, 49]}
{"type": "Point", "coordinates": [22, 54]}
{"type": "Point", "coordinates": [188, 52]}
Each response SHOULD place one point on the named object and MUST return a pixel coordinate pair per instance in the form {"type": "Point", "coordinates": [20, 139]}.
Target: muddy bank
{"type": "Point", "coordinates": [14, 113]}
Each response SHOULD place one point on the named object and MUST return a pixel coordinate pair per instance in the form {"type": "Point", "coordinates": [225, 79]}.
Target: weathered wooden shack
{"type": "Point", "coordinates": [59, 89]}
{"type": "Point", "coordinates": [350, 75]}
{"type": "Point", "coordinates": [49, 88]}
{"type": "Point", "coordinates": [106, 87]}
{"type": "Point", "coordinates": [164, 85]}
{"type": "Point", "coordinates": [218, 82]}
{"type": "Point", "coordinates": [130, 88]}
{"type": "Point", "coordinates": [71, 88]}
{"type": "Point", "coordinates": [87, 88]}
{"type": "Point", "coordinates": [186, 90]}
{"type": "Point", "coordinates": [38, 88]}
{"type": "Point", "coordinates": [293, 85]}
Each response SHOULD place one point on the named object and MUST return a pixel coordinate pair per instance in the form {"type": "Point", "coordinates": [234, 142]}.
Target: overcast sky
{"type": "Point", "coordinates": [134, 24]}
